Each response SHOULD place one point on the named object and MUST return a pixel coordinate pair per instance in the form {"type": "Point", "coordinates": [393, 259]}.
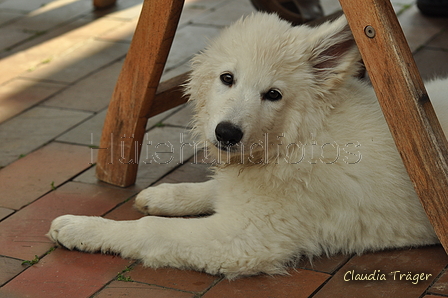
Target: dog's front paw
{"type": "Point", "coordinates": [76, 232]}
{"type": "Point", "coordinates": [150, 200]}
{"type": "Point", "coordinates": [177, 199]}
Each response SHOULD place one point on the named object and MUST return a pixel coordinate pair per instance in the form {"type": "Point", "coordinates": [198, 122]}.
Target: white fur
{"type": "Point", "coordinates": [328, 180]}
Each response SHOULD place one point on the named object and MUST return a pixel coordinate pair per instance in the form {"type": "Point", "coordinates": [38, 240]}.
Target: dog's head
{"type": "Point", "coordinates": [263, 76]}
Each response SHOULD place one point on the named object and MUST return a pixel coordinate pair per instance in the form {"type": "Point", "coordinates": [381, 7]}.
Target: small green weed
{"type": "Point", "coordinates": [32, 262]}
{"type": "Point", "coordinates": [121, 277]}
{"type": "Point", "coordinates": [46, 61]}
{"type": "Point", "coordinates": [36, 258]}
{"type": "Point", "coordinates": [51, 250]}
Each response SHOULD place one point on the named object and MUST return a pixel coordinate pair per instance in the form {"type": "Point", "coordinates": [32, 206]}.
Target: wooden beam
{"type": "Point", "coordinates": [405, 104]}
{"type": "Point", "coordinates": [134, 94]}
{"type": "Point", "coordinates": [169, 94]}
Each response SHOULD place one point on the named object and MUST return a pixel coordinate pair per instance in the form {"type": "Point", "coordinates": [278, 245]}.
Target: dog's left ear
{"type": "Point", "coordinates": [334, 54]}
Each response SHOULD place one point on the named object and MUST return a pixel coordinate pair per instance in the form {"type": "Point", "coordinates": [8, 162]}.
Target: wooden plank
{"type": "Point", "coordinates": [135, 90]}
{"type": "Point", "coordinates": [169, 94]}
{"type": "Point", "coordinates": [405, 104]}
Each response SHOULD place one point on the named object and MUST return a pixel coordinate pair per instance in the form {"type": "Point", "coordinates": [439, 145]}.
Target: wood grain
{"type": "Point", "coordinates": [405, 104]}
{"type": "Point", "coordinates": [134, 94]}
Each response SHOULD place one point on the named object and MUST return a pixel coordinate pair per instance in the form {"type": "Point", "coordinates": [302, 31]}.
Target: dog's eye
{"type": "Point", "coordinates": [227, 79]}
{"type": "Point", "coordinates": [272, 95]}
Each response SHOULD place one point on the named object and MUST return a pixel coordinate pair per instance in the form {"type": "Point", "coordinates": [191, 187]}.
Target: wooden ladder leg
{"type": "Point", "coordinates": [405, 104]}
{"type": "Point", "coordinates": [135, 90]}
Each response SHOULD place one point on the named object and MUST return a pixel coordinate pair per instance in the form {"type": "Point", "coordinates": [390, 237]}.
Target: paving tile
{"type": "Point", "coordinates": [166, 148]}
{"type": "Point", "coordinates": [330, 6]}
{"type": "Point", "coordinates": [32, 176]}
{"type": "Point", "coordinates": [399, 8]}
{"type": "Point", "coordinates": [23, 5]}
{"type": "Point", "coordinates": [65, 273]}
{"type": "Point", "coordinates": [160, 118]}
{"type": "Point", "coordinates": [91, 26]}
{"type": "Point", "coordinates": [133, 289]}
{"type": "Point", "coordinates": [89, 132]}
{"type": "Point", "coordinates": [5, 212]}
{"type": "Point", "coordinates": [7, 16]}
{"type": "Point", "coordinates": [53, 14]}
{"type": "Point", "coordinates": [124, 33]}
{"type": "Point", "coordinates": [404, 2]}
{"type": "Point", "coordinates": [92, 93]}
{"type": "Point", "coordinates": [87, 274]}
{"type": "Point", "coordinates": [440, 41]}
{"type": "Point", "coordinates": [33, 128]}
{"type": "Point", "coordinates": [19, 95]}
{"type": "Point", "coordinates": [441, 285]}
{"type": "Point", "coordinates": [432, 63]}
{"type": "Point", "coordinates": [426, 260]}
{"type": "Point", "coordinates": [26, 59]}
{"type": "Point", "coordinates": [58, 40]}
{"type": "Point", "coordinates": [188, 41]}
{"type": "Point", "coordinates": [193, 9]}
{"type": "Point", "coordinates": [154, 165]}
{"type": "Point", "coordinates": [324, 264]}
{"type": "Point", "coordinates": [46, 44]}
{"type": "Point", "coordinates": [181, 118]}
{"type": "Point", "coordinates": [12, 35]}
{"type": "Point", "coordinates": [189, 172]}
{"type": "Point", "coordinates": [193, 170]}
{"type": "Point", "coordinates": [185, 280]}
{"type": "Point", "coordinates": [125, 211]}
{"type": "Point", "coordinates": [419, 29]}
{"type": "Point", "coordinates": [299, 284]}
{"type": "Point", "coordinates": [127, 10]}
{"type": "Point", "coordinates": [9, 268]}
{"type": "Point", "coordinates": [23, 234]}
{"type": "Point", "coordinates": [88, 26]}
{"type": "Point", "coordinates": [226, 14]}
{"type": "Point", "coordinates": [173, 72]}
{"type": "Point", "coordinates": [74, 65]}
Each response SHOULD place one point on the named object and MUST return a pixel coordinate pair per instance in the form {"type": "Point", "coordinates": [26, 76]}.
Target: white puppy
{"type": "Point", "coordinates": [305, 163]}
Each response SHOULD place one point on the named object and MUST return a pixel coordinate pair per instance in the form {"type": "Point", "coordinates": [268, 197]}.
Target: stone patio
{"type": "Point", "coordinates": [59, 60]}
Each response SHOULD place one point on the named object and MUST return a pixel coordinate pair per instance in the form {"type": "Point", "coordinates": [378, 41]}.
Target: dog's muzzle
{"type": "Point", "coordinates": [228, 135]}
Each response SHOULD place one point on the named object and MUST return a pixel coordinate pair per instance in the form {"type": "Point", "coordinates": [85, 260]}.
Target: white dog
{"type": "Point", "coordinates": [305, 163]}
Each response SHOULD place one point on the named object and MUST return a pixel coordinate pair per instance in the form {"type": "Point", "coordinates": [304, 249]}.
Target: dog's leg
{"type": "Point", "coordinates": [178, 199]}
{"type": "Point", "coordinates": [215, 244]}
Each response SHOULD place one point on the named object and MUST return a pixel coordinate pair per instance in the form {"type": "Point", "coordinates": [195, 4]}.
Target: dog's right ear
{"type": "Point", "coordinates": [334, 54]}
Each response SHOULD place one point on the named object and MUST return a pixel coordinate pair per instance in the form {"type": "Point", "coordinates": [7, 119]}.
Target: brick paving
{"type": "Point", "coordinates": [59, 61]}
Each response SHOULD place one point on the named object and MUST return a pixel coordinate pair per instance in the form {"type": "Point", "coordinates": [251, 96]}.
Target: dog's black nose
{"type": "Point", "coordinates": [228, 133]}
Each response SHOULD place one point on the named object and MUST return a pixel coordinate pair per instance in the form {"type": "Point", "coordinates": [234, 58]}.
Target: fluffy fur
{"type": "Point", "coordinates": [315, 172]}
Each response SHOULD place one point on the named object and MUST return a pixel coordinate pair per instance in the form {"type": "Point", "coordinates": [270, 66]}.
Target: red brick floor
{"type": "Point", "coordinates": [59, 63]}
